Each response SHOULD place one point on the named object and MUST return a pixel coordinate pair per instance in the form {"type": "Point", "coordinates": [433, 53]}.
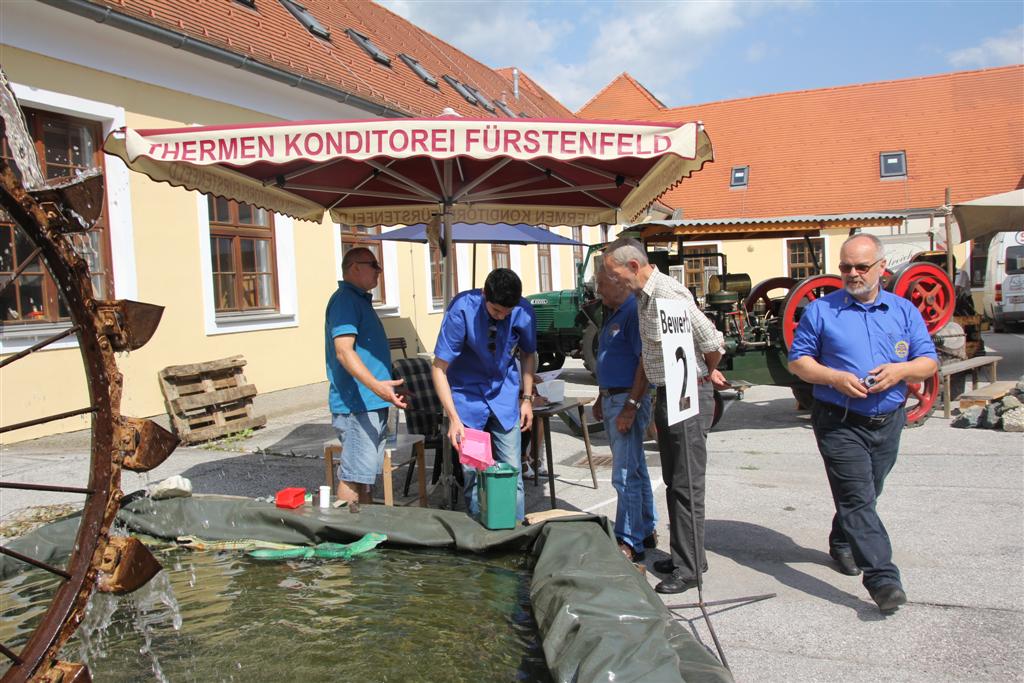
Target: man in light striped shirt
{"type": "Point", "coordinates": [682, 446]}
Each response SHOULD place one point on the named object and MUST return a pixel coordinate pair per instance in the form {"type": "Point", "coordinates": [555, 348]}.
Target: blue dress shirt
{"type": "Point", "coordinates": [485, 382]}
{"type": "Point", "coordinates": [619, 348]}
{"type": "Point", "coordinates": [350, 311]}
{"type": "Point", "coordinates": [843, 334]}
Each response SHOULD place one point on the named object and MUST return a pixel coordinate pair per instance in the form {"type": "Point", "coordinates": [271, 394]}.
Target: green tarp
{"type": "Point", "coordinates": [598, 617]}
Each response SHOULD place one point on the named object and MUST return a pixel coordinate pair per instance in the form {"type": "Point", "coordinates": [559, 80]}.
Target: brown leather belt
{"type": "Point", "coordinates": [855, 419]}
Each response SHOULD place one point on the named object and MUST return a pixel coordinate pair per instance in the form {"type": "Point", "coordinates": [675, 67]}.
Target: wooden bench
{"type": "Point", "coordinates": [971, 365]}
{"type": "Point", "coordinates": [398, 344]}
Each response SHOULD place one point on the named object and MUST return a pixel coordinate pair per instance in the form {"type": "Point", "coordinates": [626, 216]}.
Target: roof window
{"type": "Point", "coordinates": [484, 102]}
{"type": "Point", "coordinates": [892, 164]}
{"type": "Point", "coordinates": [461, 89]}
{"type": "Point", "coordinates": [523, 115]}
{"type": "Point", "coordinates": [504, 107]}
{"type": "Point", "coordinates": [418, 69]}
{"type": "Point", "coordinates": [251, 4]}
{"type": "Point", "coordinates": [368, 46]}
{"type": "Point", "coordinates": [306, 19]}
{"type": "Point", "coordinates": [739, 176]}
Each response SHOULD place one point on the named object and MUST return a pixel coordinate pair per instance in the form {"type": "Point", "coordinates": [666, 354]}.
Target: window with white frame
{"type": "Point", "coordinates": [242, 257]}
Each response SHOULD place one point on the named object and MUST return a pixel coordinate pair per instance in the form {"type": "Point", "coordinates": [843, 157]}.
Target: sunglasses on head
{"type": "Point", "coordinates": [859, 267]}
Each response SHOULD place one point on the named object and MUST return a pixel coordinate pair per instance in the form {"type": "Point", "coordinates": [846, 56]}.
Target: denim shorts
{"type": "Point", "coordinates": [362, 437]}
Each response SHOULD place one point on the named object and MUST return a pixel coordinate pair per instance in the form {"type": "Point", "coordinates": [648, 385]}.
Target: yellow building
{"type": "Point", "coordinates": [233, 279]}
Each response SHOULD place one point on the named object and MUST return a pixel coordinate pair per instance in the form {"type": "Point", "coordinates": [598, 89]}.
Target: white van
{"type": "Point", "coordinates": [1004, 280]}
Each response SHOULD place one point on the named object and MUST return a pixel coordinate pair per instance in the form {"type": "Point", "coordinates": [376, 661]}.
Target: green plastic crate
{"type": "Point", "coordinates": [497, 492]}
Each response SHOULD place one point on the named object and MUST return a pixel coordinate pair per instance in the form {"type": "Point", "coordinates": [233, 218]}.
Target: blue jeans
{"type": "Point", "coordinates": [635, 517]}
{"type": "Point", "coordinates": [505, 447]}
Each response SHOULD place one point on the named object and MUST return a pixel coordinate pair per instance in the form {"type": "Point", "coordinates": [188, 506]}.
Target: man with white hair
{"type": "Point", "coordinates": [682, 446]}
{"type": "Point", "coordinates": [859, 346]}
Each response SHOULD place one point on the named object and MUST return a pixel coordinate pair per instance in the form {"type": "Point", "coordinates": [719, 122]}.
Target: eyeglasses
{"type": "Point", "coordinates": [859, 267]}
{"type": "Point", "coordinates": [492, 332]}
{"type": "Point", "coordinates": [372, 264]}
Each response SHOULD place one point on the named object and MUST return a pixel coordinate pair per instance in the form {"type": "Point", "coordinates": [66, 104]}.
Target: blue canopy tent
{"type": "Point", "coordinates": [476, 233]}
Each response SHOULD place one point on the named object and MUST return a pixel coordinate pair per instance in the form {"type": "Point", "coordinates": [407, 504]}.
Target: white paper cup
{"type": "Point", "coordinates": [325, 496]}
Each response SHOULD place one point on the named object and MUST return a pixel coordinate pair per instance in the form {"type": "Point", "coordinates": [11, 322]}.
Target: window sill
{"type": "Point", "coordinates": [252, 322]}
{"type": "Point", "coordinates": [386, 311]}
{"type": "Point", "coordinates": [15, 338]}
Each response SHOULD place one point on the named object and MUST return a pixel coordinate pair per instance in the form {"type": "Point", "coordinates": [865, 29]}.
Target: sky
{"type": "Point", "coordinates": [691, 52]}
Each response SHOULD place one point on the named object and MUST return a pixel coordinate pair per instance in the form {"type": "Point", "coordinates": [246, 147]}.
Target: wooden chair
{"type": "Point", "coordinates": [413, 443]}
{"type": "Point", "coordinates": [398, 344]}
{"type": "Point", "coordinates": [425, 415]}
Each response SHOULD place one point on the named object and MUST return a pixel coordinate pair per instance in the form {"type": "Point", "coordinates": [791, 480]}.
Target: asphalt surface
{"type": "Point", "coordinates": [953, 505]}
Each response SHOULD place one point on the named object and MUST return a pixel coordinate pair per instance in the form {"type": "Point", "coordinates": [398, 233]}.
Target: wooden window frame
{"type": "Point", "coordinates": [795, 268]}
{"type": "Point", "coordinates": [102, 278]}
{"type": "Point", "coordinates": [577, 250]}
{"type": "Point", "coordinates": [544, 257]}
{"type": "Point", "coordinates": [695, 260]}
{"type": "Point", "coordinates": [236, 231]}
{"type": "Point", "coordinates": [436, 265]}
{"type": "Point", "coordinates": [353, 236]}
{"type": "Point", "coordinates": [501, 256]}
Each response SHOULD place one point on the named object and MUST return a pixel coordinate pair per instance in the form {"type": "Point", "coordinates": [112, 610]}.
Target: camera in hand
{"type": "Point", "coordinates": [869, 381]}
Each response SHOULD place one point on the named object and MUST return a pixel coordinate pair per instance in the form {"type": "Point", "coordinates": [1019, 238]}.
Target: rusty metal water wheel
{"type": "Point", "coordinates": [50, 213]}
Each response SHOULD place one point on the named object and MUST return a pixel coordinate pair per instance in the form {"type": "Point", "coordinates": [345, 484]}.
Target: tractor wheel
{"type": "Point", "coordinates": [588, 348]}
{"type": "Point", "coordinates": [927, 287]}
{"type": "Point", "coordinates": [921, 399]}
{"type": "Point", "coordinates": [761, 290]}
{"type": "Point", "coordinates": [805, 291]}
{"type": "Point", "coordinates": [550, 361]}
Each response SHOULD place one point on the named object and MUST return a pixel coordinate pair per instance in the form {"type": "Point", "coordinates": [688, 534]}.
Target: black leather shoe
{"type": "Point", "coordinates": [675, 583]}
{"type": "Point", "coordinates": [888, 597]}
{"type": "Point", "coordinates": [844, 561]}
{"type": "Point", "coordinates": [651, 541]}
{"type": "Point", "coordinates": [666, 566]}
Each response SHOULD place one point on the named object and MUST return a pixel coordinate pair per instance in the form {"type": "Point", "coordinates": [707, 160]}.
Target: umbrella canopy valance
{"type": "Point", "coordinates": [996, 213]}
{"type": "Point", "coordinates": [403, 172]}
{"type": "Point", "coordinates": [482, 233]}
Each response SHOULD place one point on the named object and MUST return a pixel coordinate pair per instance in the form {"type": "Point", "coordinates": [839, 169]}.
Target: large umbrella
{"type": "Point", "coordinates": [482, 233]}
{"type": "Point", "coordinates": [440, 171]}
{"type": "Point", "coordinates": [995, 213]}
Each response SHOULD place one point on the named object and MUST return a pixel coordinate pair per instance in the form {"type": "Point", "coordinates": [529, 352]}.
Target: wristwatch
{"type": "Point", "coordinates": [526, 397]}
{"type": "Point", "coordinates": [632, 401]}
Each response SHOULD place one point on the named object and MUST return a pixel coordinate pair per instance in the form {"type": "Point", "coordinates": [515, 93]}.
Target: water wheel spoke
{"type": "Point", "coordinates": [35, 347]}
{"type": "Point", "coordinates": [34, 562]}
{"type": "Point", "coordinates": [44, 487]}
{"type": "Point", "coordinates": [25, 263]}
{"type": "Point", "coordinates": [9, 654]}
{"type": "Point", "coordinates": [48, 418]}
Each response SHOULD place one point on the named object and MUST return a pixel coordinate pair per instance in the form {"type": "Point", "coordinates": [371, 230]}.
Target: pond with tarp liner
{"type": "Point", "coordinates": [443, 599]}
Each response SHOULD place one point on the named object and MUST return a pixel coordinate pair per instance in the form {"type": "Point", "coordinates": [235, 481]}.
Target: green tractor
{"type": "Point", "coordinates": [568, 321]}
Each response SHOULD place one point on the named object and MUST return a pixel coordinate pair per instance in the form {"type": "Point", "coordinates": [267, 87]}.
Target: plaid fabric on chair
{"type": "Point", "coordinates": [425, 415]}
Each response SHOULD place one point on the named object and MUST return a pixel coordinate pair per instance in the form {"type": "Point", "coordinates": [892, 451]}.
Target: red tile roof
{"type": "Point", "coordinates": [816, 151]}
{"type": "Point", "coordinates": [271, 35]}
{"type": "Point", "coordinates": [624, 98]}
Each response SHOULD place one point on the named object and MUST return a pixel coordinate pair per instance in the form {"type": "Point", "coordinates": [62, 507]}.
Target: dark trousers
{"type": "Point", "coordinates": [680, 445]}
{"type": "Point", "coordinates": [857, 460]}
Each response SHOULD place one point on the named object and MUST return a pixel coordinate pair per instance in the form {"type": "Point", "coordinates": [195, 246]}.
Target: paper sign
{"type": "Point", "coordinates": [680, 359]}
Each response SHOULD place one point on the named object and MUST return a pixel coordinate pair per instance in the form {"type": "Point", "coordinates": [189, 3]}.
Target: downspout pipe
{"type": "Point", "coordinates": [181, 41]}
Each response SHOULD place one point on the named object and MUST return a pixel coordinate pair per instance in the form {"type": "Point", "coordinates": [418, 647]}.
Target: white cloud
{"type": "Point", "coordinates": [756, 52]}
{"type": "Point", "coordinates": [1007, 48]}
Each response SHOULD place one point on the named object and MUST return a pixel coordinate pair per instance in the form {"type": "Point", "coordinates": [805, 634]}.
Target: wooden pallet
{"type": "Point", "coordinates": [985, 395]}
{"type": "Point", "coordinates": [209, 400]}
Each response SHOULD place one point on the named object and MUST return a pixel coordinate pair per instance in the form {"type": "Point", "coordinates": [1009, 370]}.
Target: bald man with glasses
{"type": "Point", "coordinates": [359, 375]}
{"type": "Point", "coordinates": [860, 346]}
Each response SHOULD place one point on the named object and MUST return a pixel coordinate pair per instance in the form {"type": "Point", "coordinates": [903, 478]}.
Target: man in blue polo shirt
{"type": "Point", "coordinates": [859, 346]}
{"type": "Point", "coordinates": [359, 373]}
{"type": "Point", "coordinates": [476, 375]}
{"type": "Point", "coordinates": [624, 405]}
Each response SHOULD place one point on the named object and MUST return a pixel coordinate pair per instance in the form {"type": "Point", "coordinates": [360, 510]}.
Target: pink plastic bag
{"type": "Point", "coordinates": [475, 449]}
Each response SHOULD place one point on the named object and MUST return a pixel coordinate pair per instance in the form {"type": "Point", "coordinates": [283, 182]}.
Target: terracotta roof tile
{"type": "Point", "coordinates": [624, 98]}
{"type": "Point", "coordinates": [817, 151]}
{"type": "Point", "coordinates": [271, 35]}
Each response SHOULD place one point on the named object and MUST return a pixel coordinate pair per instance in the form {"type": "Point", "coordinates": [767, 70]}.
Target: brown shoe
{"type": "Point", "coordinates": [631, 554]}
{"type": "Point", "coordinates": [651, 541]}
